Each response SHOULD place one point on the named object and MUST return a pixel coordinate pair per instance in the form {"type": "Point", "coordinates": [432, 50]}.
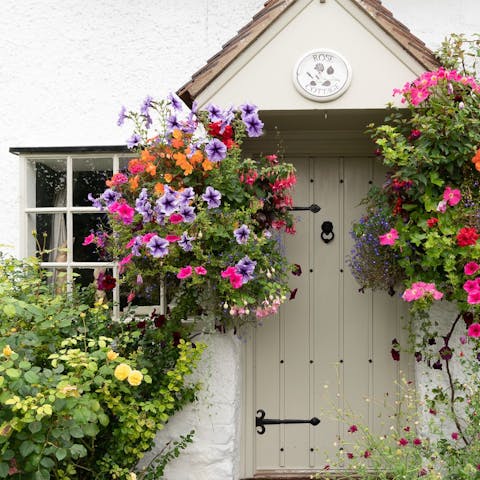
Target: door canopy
{"type": "Point", "coordinates": [313, 54]}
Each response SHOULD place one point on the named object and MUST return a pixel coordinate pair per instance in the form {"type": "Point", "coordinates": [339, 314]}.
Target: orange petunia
{"type": "Point", "coordinates": [159, 188]}
{"type": "Point", "coordinates": [477, 165]}
{"type": "Point", "coordinates": [177, 141]}
{"type": "Point", "coordinates": [207, 165]}
{"type": "Point", "coordinates": [151, 169]}
{"type": "Point", "coordinates": [476, 157]}
{"type": "Point", "coordinates": [133, 183]}
{"type": "Point", "coordinates": [197, 157]}
{"type": "Point", "coordinates": [147, 156]}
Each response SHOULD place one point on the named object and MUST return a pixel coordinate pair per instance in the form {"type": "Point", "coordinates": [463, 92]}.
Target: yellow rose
{"type": "Point", "coordinates": [122, 371]}
{"type": "Point", "coordinates": [133, 476]}
{"type": "Point", "coordinates": [7, 351]}
{"type": "Point", "coordinates": [135, 378]}
{"type": "Point", "coordinates": [111, 355]}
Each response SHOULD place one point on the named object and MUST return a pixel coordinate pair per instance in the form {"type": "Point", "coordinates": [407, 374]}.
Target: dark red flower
{"type": "Point", "coordinates": [417, 441]}
{"type": "Point", "coordinates": [437, 365]}
{"type": "Point", "coordinates": [350, 455]}
{"type": "Point", "coordinates": [432, 411]}
{"type": "Point", "coordinates": [214, 128]}
{"type": "Point", "coordinates": [423, 472]}
{"type": "Point", "coordinates": [467, 236]}
{"type": "Point", "coordinates": [159, 321]}
{"type": "Point", "coordinates": [418, 356]}
{"type": "Point", "coordinates": [352, 429]}
{"type": "Point", "coordinates": [431, 222]}
{"type": "Point", "coordinates": [414, 134]}
{"type": "Point", "coordinates": [105, 282]}
{"type": "Point", "coordinates": [468, 318]}
{"type": "Point", "coordinates": [403, 442]}
{"type": "Point", "coordinates": [367, 453]}
{"type": "Point", "coordinates": [455, 436]}
{"type": "Point", "coordinates": [297, 270]}
{"type": "Point", "coordinates": [177, 336]}
{"type": "Point", "coordinates": [445, 353]}
{"type": "Point", "coordinates": [395, 354]}
{"type": "Point", "coordinates": [293, 293]}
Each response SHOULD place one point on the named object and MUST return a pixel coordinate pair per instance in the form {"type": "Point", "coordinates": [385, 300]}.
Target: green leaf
{"type": "Point", "coordinates": [31, 377]}
{"type": "Point", "coordinates": [4, 468]}
{"type": "Point", "coordinates": [77, 450]}
{"type": "Point", "coordinates": [26, 448]}
{"type": "Point", "coordinates": [47, 462]}
{"type": "Point", "coordinates": [9, 310]}
{"type": "Point", "coordinates": [35, 427]}
{"type": "Point", "coordinates": [60, 453]}
{"type": "Point", "coordinates": [76, 432]}
{"type": "Point", "coordinates": [42, 475]}
{"type": "Point", "coordinates": [13, 373]}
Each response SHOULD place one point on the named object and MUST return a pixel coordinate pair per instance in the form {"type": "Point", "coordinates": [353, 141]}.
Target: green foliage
{"type": "Point", "coordinates": [67, 412]}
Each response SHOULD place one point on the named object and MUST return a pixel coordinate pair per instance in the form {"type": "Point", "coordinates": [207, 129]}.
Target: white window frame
{"type": "Point", "coordinates": [28, 158]}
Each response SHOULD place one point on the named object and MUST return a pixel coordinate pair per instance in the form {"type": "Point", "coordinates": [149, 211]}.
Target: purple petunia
{"type": "Point", "coordinates": [245, 267]}
{"type": "Point", "coordinates": [134, 141]}
{"type": "Point", "coordinates": [122, 116]}
{"type": "Point", "coordinates": [172, 123]}
{"type": "Point", "coordinates": [143, 206]}
{"type": "Point", "coordinates": [137, 243]}
{"type": "Point", "coordinates": [216, 150]}
{"type": "Point", "coordinates": [248, 109]}
{"type": "Point", "coordinates": [95, 201]}
{"type": "Point", "coordinates": [147, 103]}
{"type": "Point", "coordinates": [186, 196]}
{"type": "Point", "coordinates": [185, 242]}
{"type": "Point", "coordinates": [110, 196]}
{"type": "Point", "coordinates": [253, 124]}
{"type": "Point", "coordinates": [215, 113]}
{"type": "Point", "coordinates": [241, 234]}
{"type": "Point", "coordinates": [158, 246]}
{"type": "Point", "coordinates": [212, 197]}
{"type": "Point", "coordinates": [188, 213]}
{"type": "Point", "coordinates": [174, 101]}
{"type": "Point", "coordinates": [168, 202]}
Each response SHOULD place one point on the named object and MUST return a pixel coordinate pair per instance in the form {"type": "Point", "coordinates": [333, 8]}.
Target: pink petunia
{"type": "Point", "coordinates": [185, 272]}
{"type": "Point", "coordinates": [389, 237]}
{"type": "Point", "coordinates": [123, 210]}
{"type": "Point", "coordinates": [176, 218]}
{"type": "Point", "coordinates": [474, 330]}
{"type": "Point", "coordinates": [472, 286]}
{"type": "Point", "coordinates": [172, 238]}
{"type": "Point", "coordinates": [200, 270]}
{"type": "Point", "coordinates": [130, 243]}
{"type": "Point", "coordinates": [236, 280]}
{"type": "Point", "coordinates": [452, 196]}
{"type": "Point", "coordinates": [147, 237]}
{"type": "Point", "coordinates": [474, 298]}
{"type": "Point", "coordinates": [126, 260]}
{"type": "Point", "coordinates": [88, 240]}
{"type": "Point", "coordinates": [471, 268]}
{"type": "Point", "coordinates": [228, 272]}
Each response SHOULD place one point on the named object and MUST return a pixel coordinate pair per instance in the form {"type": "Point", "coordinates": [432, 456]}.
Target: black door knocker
{"type": "Point", "coordinates": [327, 232]}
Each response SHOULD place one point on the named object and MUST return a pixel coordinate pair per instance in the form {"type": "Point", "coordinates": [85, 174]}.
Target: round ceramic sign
{"type": "Point", "coordinates": [322, 75]}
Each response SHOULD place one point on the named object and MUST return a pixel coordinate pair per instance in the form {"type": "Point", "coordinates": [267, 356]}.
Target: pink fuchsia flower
{"type": "Point", "coordinates": [403, 442]}
{"type": "Point", "coordinates": [474, 330]}
{"type": "Point", "coordinates": [452, 196]}
{"type": "Point", "coordinates": [176, 218]}
{"type": "Point", "coordinates": [471, 268]}
{"type": "Point", "coordinates": [389, 237]}
{"type": "Point", "coordinates": [88, 240]}
{"type": "Point", "coordinates": [130, 297]}
{"type": "Point", "coordinates": [200, 270]}
{"type": "Point", "coordinates": [185, 272]}
{"type": "Point", "coordinates": [352, 429]}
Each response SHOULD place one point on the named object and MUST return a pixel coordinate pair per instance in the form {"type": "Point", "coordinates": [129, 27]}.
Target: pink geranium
{"type": "Point", "coordinates": [471, 268]}
{"type": "Point", "coordinates": [474, 330]}
{"type": "Point", "coordinates": [452, 196]}
{"type": "Point", "coordinates": [185, 272]}
{"type": "Point", "coordinates": [389, 237]}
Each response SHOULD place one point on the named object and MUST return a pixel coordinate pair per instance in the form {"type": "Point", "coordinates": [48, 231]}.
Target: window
{"type": "Point", "coordinates": [56, 206]}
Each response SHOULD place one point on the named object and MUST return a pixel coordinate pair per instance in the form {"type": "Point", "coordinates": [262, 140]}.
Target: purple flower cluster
{"type": "Point", "coordinates": [245, 267]}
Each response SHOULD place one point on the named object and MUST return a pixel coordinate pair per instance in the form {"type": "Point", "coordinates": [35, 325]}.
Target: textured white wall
{"type": "Point", "coordinates": [215, 452]}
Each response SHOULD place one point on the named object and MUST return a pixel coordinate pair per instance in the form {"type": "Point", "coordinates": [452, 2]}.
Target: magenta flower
{"type": "Point", "coordinates": [125, 260]}
{"type": "Point", "coordinates": [352, 429]}
{"type": "Point", "coordinates": [474, 298]}
{"type": "Point", "coordinates": [124, 211]}
{"type": "Point", "coordinates": [472, 286]}
{"type": "Point", "coordinates": [452, 196]}
{"type": "Point", "coordinates": [176, 218]}
{"type": "Point", "coordinates": [88, 240]}
{"type": "Point", "coordinates": [228, 272]}
{"type": "Point", "coordinates": [389, 237]}
{"type": "Point", "coordinates": [172, 238]}
{"type": "Point", "coordinates": [185, 272]}
{"type": "Point", "coordinates": [471, 268]}
{"type": "Point", "coordinates": [200, 270]}
{"type": "Point", "coordinates": [403, 442]}
{"type": "Point", "coordinates": [236, 280]}
{"type": "Point", "coordinates": [474, 330]}
{"type": "Point", "coordinates": [417, 441]}
{"type": "Point", "coordinates": [455, 436]}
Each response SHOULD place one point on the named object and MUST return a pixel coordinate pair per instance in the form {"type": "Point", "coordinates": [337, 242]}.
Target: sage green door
{"type": "Point", "coordinates": [330, 347]}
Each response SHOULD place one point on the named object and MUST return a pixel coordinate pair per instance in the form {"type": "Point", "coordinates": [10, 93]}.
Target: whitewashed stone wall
{"type": "Point", "coordinates": [215, 452]}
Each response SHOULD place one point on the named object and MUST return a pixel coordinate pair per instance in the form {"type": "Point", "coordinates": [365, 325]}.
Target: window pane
{"type": "Point", "coordinates": [51, 232]}
{"type": "Point", "coordinates": [147, 294]}
{"type": "Point", "coordinates": [89, 176]}
{"type": "Point", "coordinates": [50, 183]}
{"type": "Point", "coordinates": [83, 225]}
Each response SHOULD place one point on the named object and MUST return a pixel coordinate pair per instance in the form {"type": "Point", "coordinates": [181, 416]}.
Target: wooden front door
{"type": "Point", "coordinates": [329, 348]}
